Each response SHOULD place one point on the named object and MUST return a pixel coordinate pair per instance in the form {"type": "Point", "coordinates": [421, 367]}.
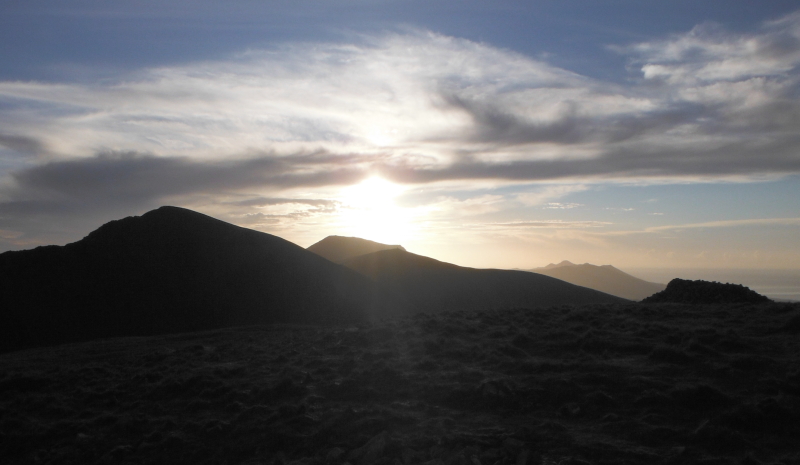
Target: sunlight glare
{"type": "Point", "coordinates": [372, 213]}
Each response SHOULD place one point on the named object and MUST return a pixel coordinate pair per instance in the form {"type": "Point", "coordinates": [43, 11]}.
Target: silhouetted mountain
{"type": "Point", "coordinates": [413, 283]}
{"type": "Point", "coordinates": [557, 265]}
{"type": "Point", "coordinates": [339, 248]}
{"type": "Point", "coordinates": [705, 292]}
{"type": "Point", "coordinates": [170, 270]}
{"type": "Point", "coordinates": [604, 278]}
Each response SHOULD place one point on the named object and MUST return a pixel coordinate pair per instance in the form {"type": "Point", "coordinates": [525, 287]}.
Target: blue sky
{"type": "Point", "coordinates": [492, 134]}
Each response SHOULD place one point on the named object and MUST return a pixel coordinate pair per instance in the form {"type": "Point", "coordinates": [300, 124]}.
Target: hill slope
{"type": "Point", "coordinates": [170, 270]}
{"type": "Point", "coordinates": [635, 384]}
{"type": "Point", "coordinates": [604, 278]}
{"type": "Point", "coordinates": [339, 248]}
{"type": "Point", "coordinates": [413, 283]}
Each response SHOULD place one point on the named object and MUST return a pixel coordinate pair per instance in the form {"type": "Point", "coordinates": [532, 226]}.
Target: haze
{"type": "Point", "coordinates": [484, 134]}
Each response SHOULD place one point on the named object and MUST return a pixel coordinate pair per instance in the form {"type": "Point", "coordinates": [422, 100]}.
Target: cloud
{"type": "Point", "coordinates": [708, 53]}
{"type": "Point", "coordinates": [761, 222]}
{"type": "Point", "coordinates": [728, 224]}
{"type": "Point", "coordinates": [286, 126]}
{"type": "Point", "coordinates": [562, 206]}
{"type": "Point", "coordinates": [541, 195]}
{"type": "Point", "coordinates": [423, 107]}
{"type": "Point", "coordinates": [22, 144]}
{"type": "Point", "coordinates": [548, 224]}
{"type": "Point", "coordinates": [114, 184]}
{"type": "Point", "coordinates": [278, 212]}
{"type": "Point", "coordinates": [131, 175]}
{"type": "Point", "coordinates": [264, 201]}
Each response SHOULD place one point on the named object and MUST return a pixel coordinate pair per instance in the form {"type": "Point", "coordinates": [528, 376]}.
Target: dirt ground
{"type": "Point", "coordinates": [603, 384]}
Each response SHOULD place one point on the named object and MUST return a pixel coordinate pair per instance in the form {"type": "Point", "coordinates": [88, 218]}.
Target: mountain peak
{"type": "Point", "coordinates": [339, 249]}
{"type": "Point", "coordinates": [563, 263]}
{"type": "Point", "coordinates": [170, 270]}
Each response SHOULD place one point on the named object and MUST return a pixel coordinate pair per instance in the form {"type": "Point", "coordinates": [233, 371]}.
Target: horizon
{"type": "Point", "coordinates": [507, 136]}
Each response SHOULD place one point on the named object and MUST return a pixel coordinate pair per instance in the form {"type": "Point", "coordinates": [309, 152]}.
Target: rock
{"type": "Point", "coordinates": [522, 457]}
{"type": "Point", "coordinates": [570, 409]}
{"type": "Point", "coordinates": [408, 455]}
{"type": "Point", "coordinates": [705, 292]}
{"type": "Point", "coordinates": [371, 451]}
{"type": "Point", "coordinates": [494, 389]}
{"type": "Point", "coordinates": [513, 444]}
{"type": "Point", "coordinates": [334, 454]}
{"type": "Point", "coordinates": [116, 454]}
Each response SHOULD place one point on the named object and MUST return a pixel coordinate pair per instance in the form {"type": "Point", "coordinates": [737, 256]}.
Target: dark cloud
{"type": "Point", "coordinates": [136, 177]}
{"type": "Point", "coordinates": [129, 180]}
{"type": "Point", "coordinates": [59, 199]}
{"type": "Point", "coordinates": [22, 144]}
{"type": "Point", "coordinates": [63, 200]}
{"type": "Point", "coordinates": [636, 162]}
{"type": "Point", "coordinates": [492, 124]}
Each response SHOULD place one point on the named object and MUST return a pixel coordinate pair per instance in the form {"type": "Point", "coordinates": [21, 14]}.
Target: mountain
{"type": "Point", "coordinates": [706, 292]}
{"type": "Point", "coordinates": [559, 265]}
{"type": "Point", "coordinates": [169, 270]}
{"type": "Point", "coordinates": [604, 278]}
{"type": "Point", "coordinates": [339, 248]}
{"type": "Point", "coordinates": [411, 283]}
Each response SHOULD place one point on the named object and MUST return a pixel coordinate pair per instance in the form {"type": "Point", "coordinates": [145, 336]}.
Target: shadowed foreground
{"type": "Point", "coordinates": [603, 384]}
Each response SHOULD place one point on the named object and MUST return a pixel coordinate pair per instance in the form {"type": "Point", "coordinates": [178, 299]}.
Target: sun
{"type": "Point", "coordinates": [372, 192]}
{"type": "Point", "coordinates": [371, 212]}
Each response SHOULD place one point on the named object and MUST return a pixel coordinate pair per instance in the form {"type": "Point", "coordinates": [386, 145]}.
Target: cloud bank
{"type": "Point", "coordinates": [416, 107]}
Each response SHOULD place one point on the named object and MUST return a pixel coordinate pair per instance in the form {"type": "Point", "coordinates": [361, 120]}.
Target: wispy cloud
{"type": "Point", "coordinates": [562, 206]}
{"type": "Point", "coordinates": [429, 107]}
{"type": "Point", "coordinates": [728, 224]}
{"type": "Point", "coordinates": [709, 53]}
{"type": "Point", "coordinates": [548, 224]}
{"type": "Point", "coordinates": [252, 132]}
{"type": "Point", "coordinates": [541, 195]}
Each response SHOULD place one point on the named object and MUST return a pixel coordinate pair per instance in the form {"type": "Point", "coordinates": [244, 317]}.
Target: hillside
{"type": "Point", "coordinates": [339, 248]}
{"type": "Point", "coordinates": [169, 270]}
{"type": "Point", "coordinates": [411, 283]}
{"type": "Point", "coordinates": [604, 278]}
{"type": "Point", "coordinates": [635, 384]}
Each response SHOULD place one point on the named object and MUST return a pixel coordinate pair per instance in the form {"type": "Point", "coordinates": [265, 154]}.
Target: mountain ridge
{"type": "Point", "coordinates": [605, 278]}
{"type": "Point", "coordinates": [409, 281]}
{"type": "Point", "coordinates": [169, 270]}
{"type": "Point", "coordinates": [174, 270]}
{"type": "Point", "coordinates": [340, 248]}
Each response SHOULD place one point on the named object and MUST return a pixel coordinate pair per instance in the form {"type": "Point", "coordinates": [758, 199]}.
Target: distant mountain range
{"type": "Point", "coordinates": [604, 278]}
{"type": "Point", "coordinates": [174, 270]}
{"type": "Point", "coordinates": [410, 283]}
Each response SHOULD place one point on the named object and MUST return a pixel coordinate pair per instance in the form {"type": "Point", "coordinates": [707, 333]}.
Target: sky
{"type": "Point", "coordinates": [503, 134]}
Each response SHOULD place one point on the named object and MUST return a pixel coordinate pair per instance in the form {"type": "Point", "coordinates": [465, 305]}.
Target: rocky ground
{"type": "Point", "coordinates": [615, 384]}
